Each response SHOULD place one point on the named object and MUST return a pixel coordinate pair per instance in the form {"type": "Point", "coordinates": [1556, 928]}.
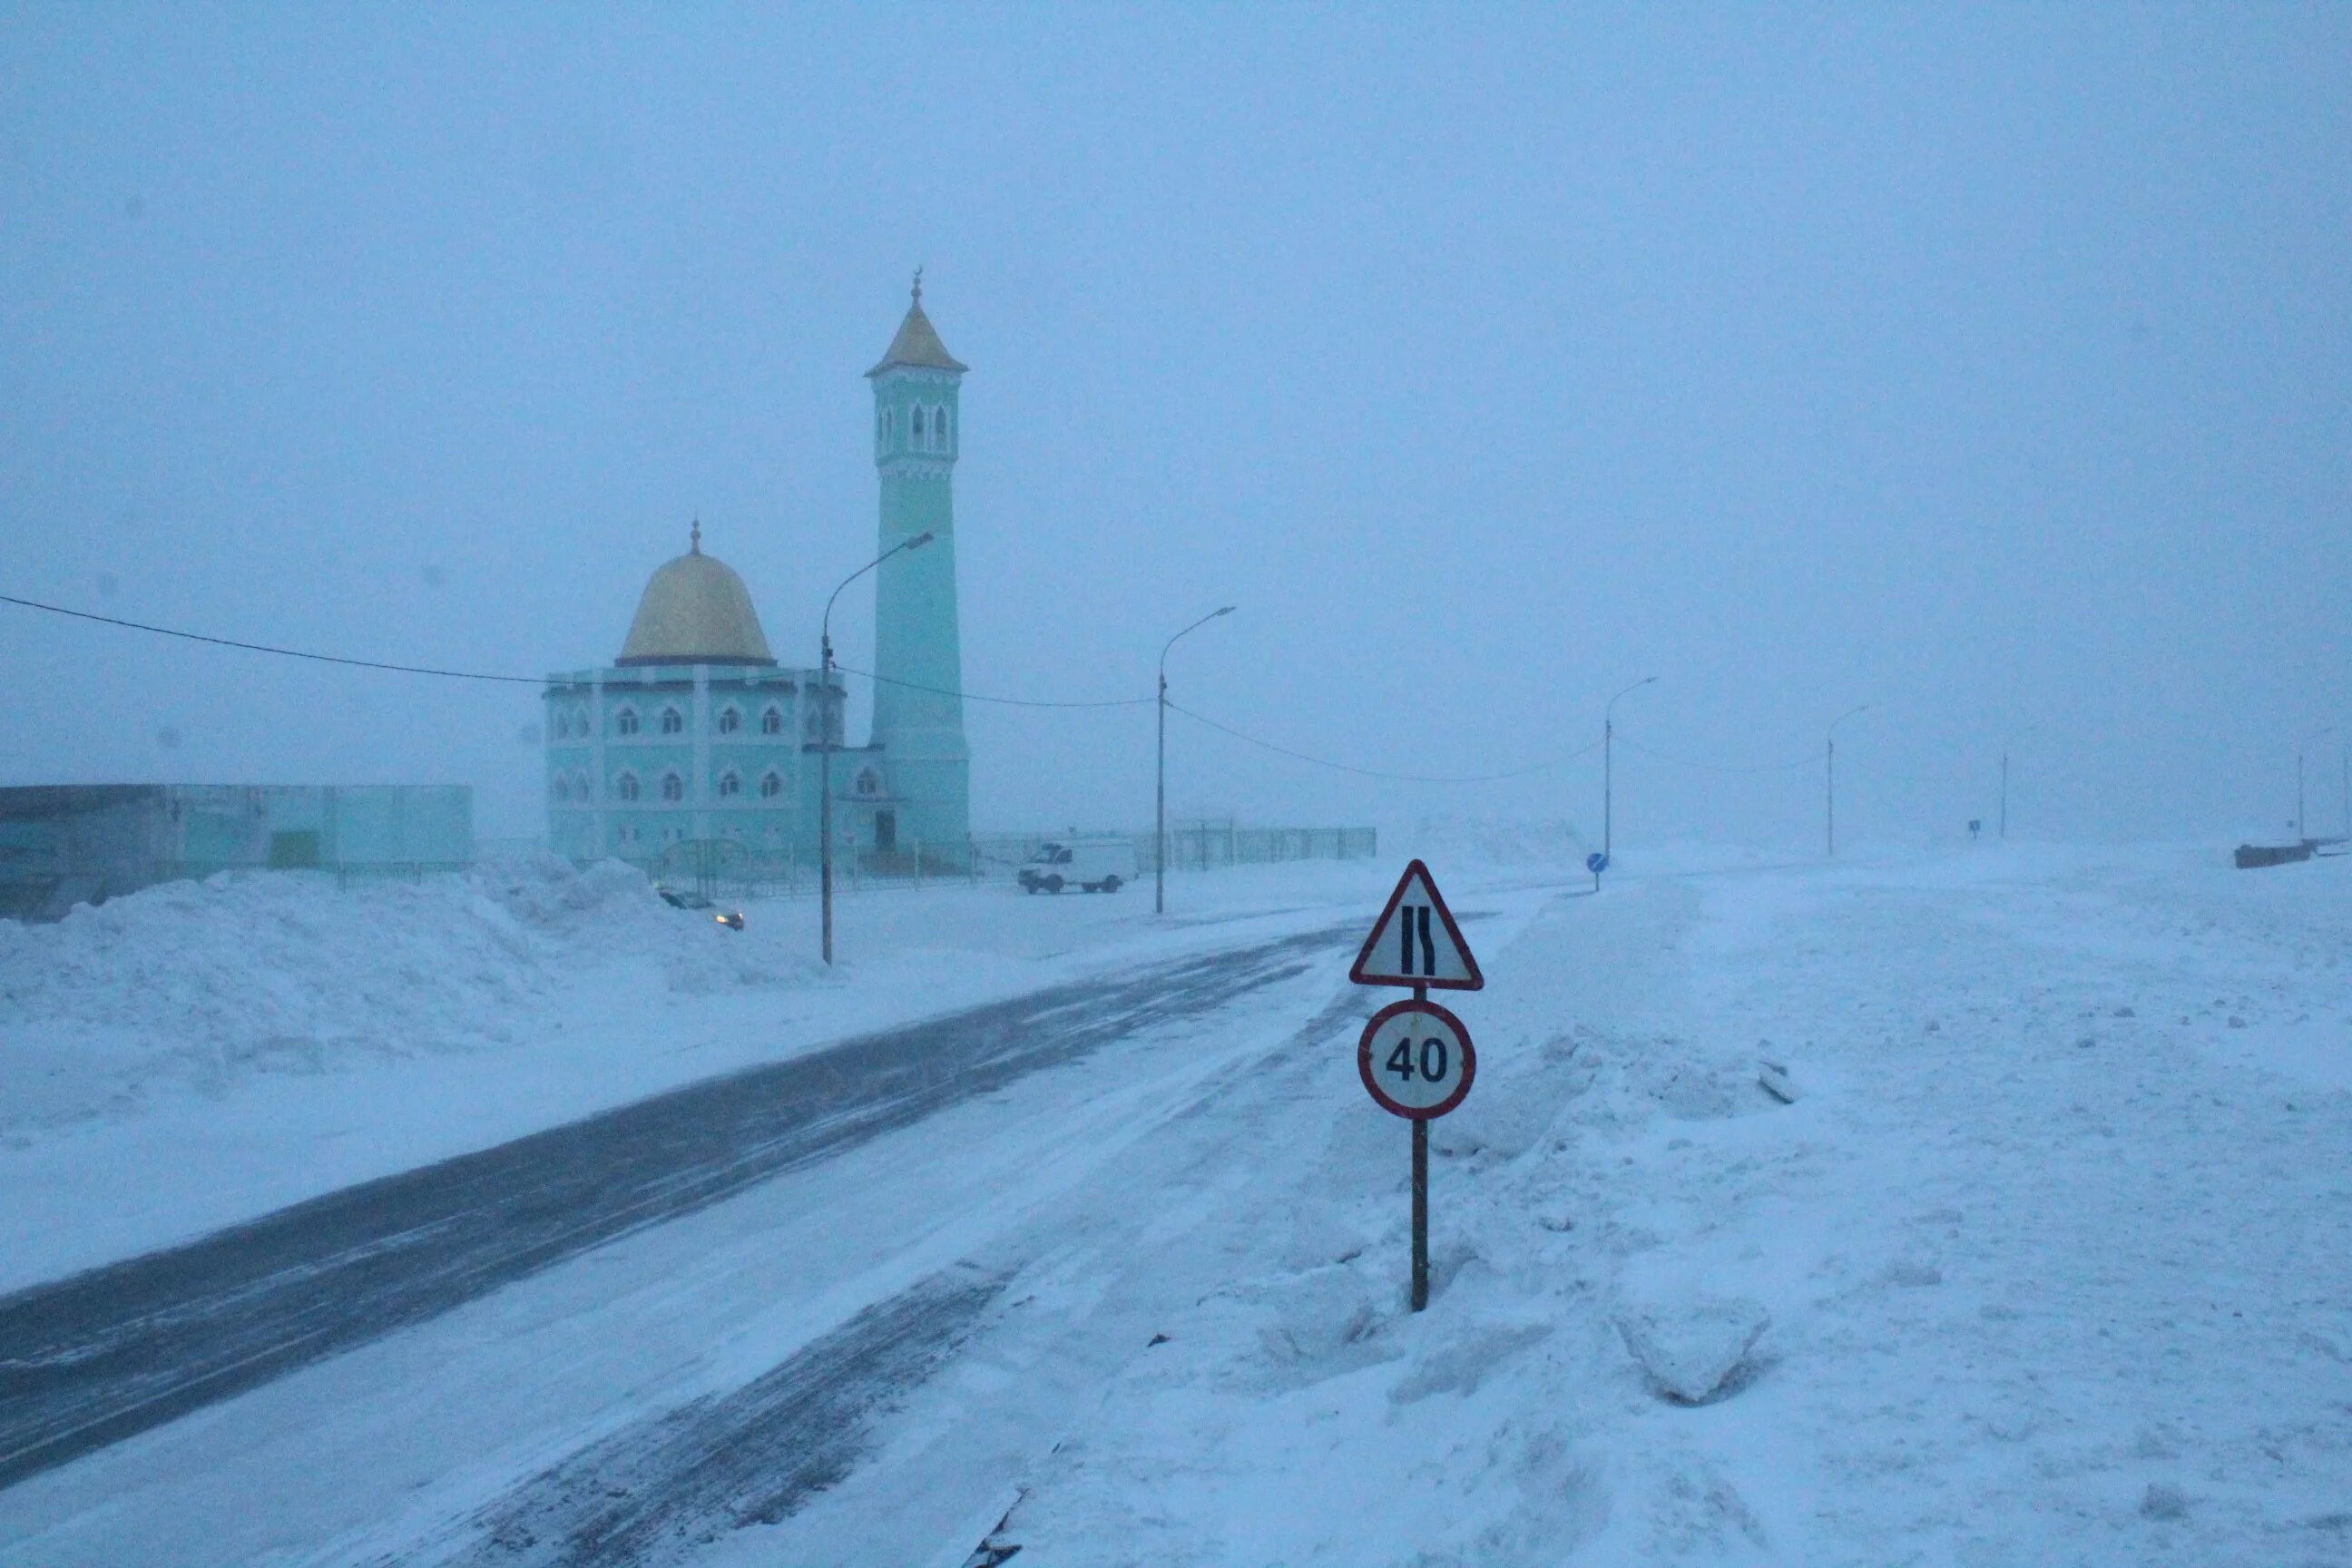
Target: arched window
{"type": "Point", "coordinates": [626, 786]}
{"type": "Point", "coordinates": [580, 790]}
{"type": "Point", "coordinates": [770, 785]}
{"type": "Point", "coordinates": [562, 787]}
{"type": "Point", "coordinates": [673, 787]}
{"type": "Point", "coordinates": [672, 722]}
{"type": "Point", "coordinates": [730, 721]}
{"type": "Point", "coordinates": [940, 427]}
{"type": "Point", "coordinates": [730, 785]}
{"type": "Point", "coordinates": [772, 723]}
{"type": "Point", "coordinates": [881, 426]}
{"type": "Point", "coordinates": [918, 425]}
{"type": "Point", "coordinates": [625, 721]}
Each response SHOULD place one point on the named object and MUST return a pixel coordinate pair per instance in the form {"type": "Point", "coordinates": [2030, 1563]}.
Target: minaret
{"type": "Point", "coordinates": [920, 723]}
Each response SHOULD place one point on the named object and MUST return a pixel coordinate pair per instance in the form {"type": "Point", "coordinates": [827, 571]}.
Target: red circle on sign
{"type": "Point", "coordinates": [1389, 1102]}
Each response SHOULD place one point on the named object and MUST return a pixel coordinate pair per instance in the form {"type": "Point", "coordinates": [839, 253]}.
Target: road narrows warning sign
{"type": "Point", "coordinates": [1416, 942]}
{"type": "Point", "coordinates": [1416, 1058]}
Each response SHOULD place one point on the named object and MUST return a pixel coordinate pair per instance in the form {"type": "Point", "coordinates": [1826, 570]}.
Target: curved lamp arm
{"type": "Point", "coordinates": [1611, 708]}
{"type": "Point", "coordinates": [915, 544]}
{"type": "Point", "coordinates": [1195, 627]}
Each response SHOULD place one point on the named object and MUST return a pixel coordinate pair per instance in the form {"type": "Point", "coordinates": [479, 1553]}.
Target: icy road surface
{"type": "Point", "coordinates": [112, 1352]}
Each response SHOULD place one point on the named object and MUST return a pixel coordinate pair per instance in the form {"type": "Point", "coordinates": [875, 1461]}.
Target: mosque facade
{"type": "Point", "coordinates": [696, 735]}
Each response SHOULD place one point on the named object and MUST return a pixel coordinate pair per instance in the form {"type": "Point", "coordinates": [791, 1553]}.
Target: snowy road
{"type": "Point", "coordinates": [2038, 1253]}
{"type": "Point", "coordinates": [116, 1350]}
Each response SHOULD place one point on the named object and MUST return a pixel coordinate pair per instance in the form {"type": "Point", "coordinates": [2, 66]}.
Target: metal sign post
{"type": "Point", "coordinates": [1415, 1057]}
{"type": "Point", "coordinates": [1421, 1194]}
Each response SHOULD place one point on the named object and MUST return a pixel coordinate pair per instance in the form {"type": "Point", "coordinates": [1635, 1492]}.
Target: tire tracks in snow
{"type": "Point", "coordinates": [91, 1359]}
{"type": "Point", "coordinates": [664, 1486]}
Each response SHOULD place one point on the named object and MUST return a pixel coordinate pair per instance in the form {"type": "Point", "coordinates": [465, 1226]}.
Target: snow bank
{"type": "Point", "coordinates": [250, 973]}
{"type": "Point", "coordinates": [1496, 843]}
{"type": "Point", "coordinates": [2040, 1255]}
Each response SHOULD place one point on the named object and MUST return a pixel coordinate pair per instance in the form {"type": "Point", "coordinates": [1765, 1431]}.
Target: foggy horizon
{"type": "Point", "coordinates": [1992, 369]}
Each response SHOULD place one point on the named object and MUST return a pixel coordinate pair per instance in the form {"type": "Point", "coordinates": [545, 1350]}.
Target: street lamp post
{"type": "Point", "coordinates": [2323, 731]}
{"type": "Point", "coordinates": [825, 747]}
{"type": "Point", "coordinates": [1160, 814]}
{"type": "Point", "coordinates": [2005, 745]}
{"type": "Point", "coordinates": [1830, 776]}
{"type": "Point", "coordinates": [1608, 769]}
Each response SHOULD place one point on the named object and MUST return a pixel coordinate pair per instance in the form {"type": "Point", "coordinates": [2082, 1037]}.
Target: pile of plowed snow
{"type": "Point", "coordinates": [263, 972]}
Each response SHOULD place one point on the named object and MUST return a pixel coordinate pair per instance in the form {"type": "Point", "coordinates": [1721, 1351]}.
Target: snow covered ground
{"type": "Point", "coordinates": [2042, 1251]}
{"type": "Point", "coordinates": [2049, 1260]}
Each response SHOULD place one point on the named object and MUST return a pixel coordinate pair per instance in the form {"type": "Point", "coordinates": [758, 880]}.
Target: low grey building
{"type": "Point", "coordinates": [62, 845]}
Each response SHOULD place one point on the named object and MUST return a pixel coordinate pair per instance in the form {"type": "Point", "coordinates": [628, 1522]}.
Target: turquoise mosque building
{"type": "Point", "coordinates": [696, 733]}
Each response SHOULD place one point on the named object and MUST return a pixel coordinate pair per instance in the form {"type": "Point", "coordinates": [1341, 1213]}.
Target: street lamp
{"type": "Point", "coordinates": [1608, 776]}
{"type": "Point", "coordinates": [1830, 775]}
{"type": "Point", "coordinates": [1160, 832]}
{"type": "Point", "coordinates": [825, 736]}
{"type": "Point", "coordinates": [2004, 776]}
{"type": "Point", "coordinates": [2299, 745]}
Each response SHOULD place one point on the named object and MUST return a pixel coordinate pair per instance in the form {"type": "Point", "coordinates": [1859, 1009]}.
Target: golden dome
{"type": "Point", "coordinates": [695, 610]}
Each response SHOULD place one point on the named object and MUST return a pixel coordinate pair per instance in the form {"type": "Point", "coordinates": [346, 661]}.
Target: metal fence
{"type": "Point", "coordinates": [1198, 843]}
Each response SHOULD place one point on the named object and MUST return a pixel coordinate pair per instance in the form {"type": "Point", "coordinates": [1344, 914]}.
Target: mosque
{"type": "Point", "coordinates": [696, 733]}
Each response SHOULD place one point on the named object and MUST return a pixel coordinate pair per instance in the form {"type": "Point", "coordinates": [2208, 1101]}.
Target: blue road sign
{"type": "Point", "coordinates": [1596, 862]}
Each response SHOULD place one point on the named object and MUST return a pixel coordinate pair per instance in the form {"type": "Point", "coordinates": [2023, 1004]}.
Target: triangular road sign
{"type": "Point", "coordinates": [1416, 942]}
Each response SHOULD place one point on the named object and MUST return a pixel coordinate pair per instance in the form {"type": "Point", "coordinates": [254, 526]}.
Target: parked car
{"type": "Point", "coordinates": [1095, 865]}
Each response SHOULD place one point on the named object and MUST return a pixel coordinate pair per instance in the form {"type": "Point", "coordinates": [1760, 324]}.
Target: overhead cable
{"type": "Point", "coordinates": [912, 686]}
{"type": "Point", "coordinates": [1717, 768]}
{"type": "Point", "coordinates": [1374, 772]}
{"type": "Point", "coordinates": [283, 652]}
{"type": "Point", "coordinates": [1004, 701]}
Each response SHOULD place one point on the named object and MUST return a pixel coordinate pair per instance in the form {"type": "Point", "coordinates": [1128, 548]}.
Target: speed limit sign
{"type": "Point", "coordinates": [1416, 1059]}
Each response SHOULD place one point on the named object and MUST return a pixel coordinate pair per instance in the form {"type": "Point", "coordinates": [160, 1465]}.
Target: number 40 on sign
{"type": "Point", "coordinates": [1417, 1060]}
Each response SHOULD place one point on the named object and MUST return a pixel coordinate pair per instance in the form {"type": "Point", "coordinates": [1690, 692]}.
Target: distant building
{"type": "Point", "coordinates": [62, 845]}
{"type": "Point", "coordinates": [696, 733]}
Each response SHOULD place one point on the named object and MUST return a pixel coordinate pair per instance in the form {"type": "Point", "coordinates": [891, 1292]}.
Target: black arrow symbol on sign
{"type": "Point", "coordinates": [1428, 948]}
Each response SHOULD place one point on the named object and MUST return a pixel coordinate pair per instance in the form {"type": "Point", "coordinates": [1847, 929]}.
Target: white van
{"type": "Point", "coordinates": [1098, 865]}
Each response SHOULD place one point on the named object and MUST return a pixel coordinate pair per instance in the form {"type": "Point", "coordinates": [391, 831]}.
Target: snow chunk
{"type": "Point", "coordinates": [1697, 1350]}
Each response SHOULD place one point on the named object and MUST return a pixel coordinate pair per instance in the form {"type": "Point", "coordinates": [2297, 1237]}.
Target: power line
{"type": "Point", "coordinates": [510, 679]}
{"type": "Point", "coordinates": [264, 647]}
{"type": "Point", "coordinates": [1375, 774]}
{"type": "Point", "coordinates": [1717, 767]}
{"type": "Point", "coordinates": [1005, 701]}
{"type": "Point", "coordinates": [909, 685]}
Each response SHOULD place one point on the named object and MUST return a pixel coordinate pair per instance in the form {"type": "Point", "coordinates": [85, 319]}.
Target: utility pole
{"type": "Point", "coordinates": [1608, 770]}
{"type": "Point", "coordinates": [1828, 777]}
{"type": "Point", "coordinates": [825, 747]}
{"type": "Point", "coordinates": [2300, 831]}
{"type": "Point", "coordinates": [1159, 810]}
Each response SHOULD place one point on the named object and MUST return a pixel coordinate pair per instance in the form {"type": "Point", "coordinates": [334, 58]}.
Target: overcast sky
{"type": "Point", "coordinates": [1989, 367]}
